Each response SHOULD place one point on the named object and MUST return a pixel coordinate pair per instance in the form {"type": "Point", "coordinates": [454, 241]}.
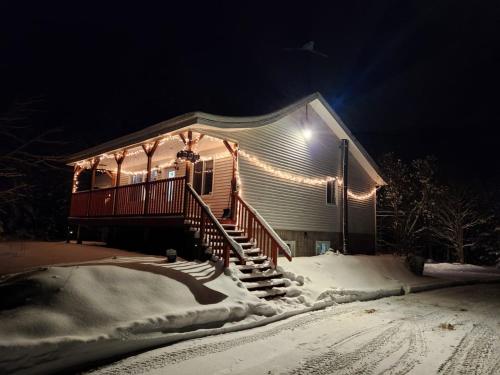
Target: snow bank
{"type": "Point", "coordinates": [335, 278]}
{"type": "Point", "coordinates": [457, 271]}
{"type": "Point", "coordinates": [49, 313]}
{"type": "Point", "coordinates": [341, 278]}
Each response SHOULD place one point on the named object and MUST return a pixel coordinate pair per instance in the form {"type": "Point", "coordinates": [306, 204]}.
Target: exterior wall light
{"type": "Point", "coordinates": [307, 133]}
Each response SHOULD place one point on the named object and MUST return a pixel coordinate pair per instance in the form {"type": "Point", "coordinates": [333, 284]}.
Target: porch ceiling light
{"type": "Point", "coordinates": [188, 155]}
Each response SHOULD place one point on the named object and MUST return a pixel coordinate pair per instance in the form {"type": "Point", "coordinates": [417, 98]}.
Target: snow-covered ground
{"type": "Point", "coordinates": [339, 278]}
{"type": "Point", "coordinates": [60, 318]}
{"type": "Point", "coordinates": [57, 317]}
{"type": "Point", "coordinates": [447, 331]}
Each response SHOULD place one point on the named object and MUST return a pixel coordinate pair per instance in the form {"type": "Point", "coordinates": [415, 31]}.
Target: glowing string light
{"type": "Point", "coordinates": [301, 179]}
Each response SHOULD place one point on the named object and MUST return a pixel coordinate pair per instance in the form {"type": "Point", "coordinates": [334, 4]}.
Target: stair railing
{"type": "Point", "coordinates": [212, 234]}
{"type": "Point", "coordinates": [260, 232]}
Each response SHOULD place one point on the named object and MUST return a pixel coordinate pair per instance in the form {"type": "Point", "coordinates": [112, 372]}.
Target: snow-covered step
{"type": "Point", "coordinates": [254, 259]}
{"type": "Point", "coordinates": [257, 259]}
{"type": "Point", "coordinates": [240, 239]}
{"type": "Point", "coordinates": [253, 267]}
{"type": "Point", "coordinates": [246, 244]}
{"type": "Point", "coordinates": [234, 232]}
{"type": "Point", "coordinates": [265, 284]}
{"type": "Point", "coordinates": [269, 293]}
{"type": "Point", "coordinates": [252, 252]}
{"type": "Point", "coordinates": [257, 276]}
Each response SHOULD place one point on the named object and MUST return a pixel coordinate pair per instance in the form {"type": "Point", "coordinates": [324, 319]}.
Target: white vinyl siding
{"type": "Point", "coordinates": [289, 205]}
{"type": "Point", "coordinates": [286, 204]}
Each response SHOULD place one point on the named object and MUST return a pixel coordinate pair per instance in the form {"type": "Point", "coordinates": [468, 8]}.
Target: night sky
{"type": "Point", "coordinates": [415, 77]}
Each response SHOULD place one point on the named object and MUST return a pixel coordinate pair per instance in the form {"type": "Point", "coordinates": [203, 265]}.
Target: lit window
{"type": "Point", "coordinates": [203, 177]}
{"type": "Point", "coordinates": [136, 178]}
{"type": "Point", "coordinates": [331, 192]}
{"type": "Point", "coordinates": [155, 175]}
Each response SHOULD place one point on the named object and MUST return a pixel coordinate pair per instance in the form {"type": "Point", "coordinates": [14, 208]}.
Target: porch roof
{"type": "Point", "coordinates": [229, 123]}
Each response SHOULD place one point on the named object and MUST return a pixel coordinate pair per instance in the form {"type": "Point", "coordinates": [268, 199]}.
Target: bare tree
{"type": "Point", "coordinates": [456, 217]}
{"type": "Point", "coordinates": [22, 151]}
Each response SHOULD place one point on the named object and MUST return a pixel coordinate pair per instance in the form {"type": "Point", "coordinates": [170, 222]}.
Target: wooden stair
{"type": "Point", "coordinates": [258, 273]}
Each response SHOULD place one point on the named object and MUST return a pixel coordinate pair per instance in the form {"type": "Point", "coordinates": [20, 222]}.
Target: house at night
{"type": "Point", "coordinates": [294, 182]}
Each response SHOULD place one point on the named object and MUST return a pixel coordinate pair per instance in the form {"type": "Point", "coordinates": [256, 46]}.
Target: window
{"type": "Point", "coordinates": [203, 177]}
{"type": "Point", "coordinates": [331, 192]}
{"type": "Point", "coordinates": [155, 175]}
{"type": "Point", "coordinates": [170, 186]}
{"type": "Point", "coordinates": [136, 178]}
{"type": "Point", "coordinates": [322, 247]}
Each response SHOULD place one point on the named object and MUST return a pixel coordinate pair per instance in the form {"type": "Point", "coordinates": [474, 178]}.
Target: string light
{"type": "Point", "coordinates": [284, 175]}
{"type": "Point", "coordinates": [86, 164]}
{"type": "Point", "coordinates": [171, 163]}
{"type": "Point", "coordinates": [301, 179]}
{"type": "Point", "coordinates": [361, 197]}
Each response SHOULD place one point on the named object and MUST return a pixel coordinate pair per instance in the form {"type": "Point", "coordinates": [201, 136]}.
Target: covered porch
{"type": "Point", "coordinates": [149, 179]}
{"type": "Point", "coordinates": [185, 178]}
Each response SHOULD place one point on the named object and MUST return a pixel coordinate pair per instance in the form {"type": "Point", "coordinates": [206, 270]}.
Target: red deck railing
{"type": "Point", "coordinates": [212, 234]}
{"type": "Point", "coordinates": [164, 197]}
{"type": "Point", "coordinates": [258, 231]}
{"type": "Point", "coordinates": [174, 197]}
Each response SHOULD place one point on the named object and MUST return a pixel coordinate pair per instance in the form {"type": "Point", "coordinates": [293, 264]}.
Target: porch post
{"type": "Point", "coordinates": [76, 173]}
{"type": "Point", "coordinates": [119, 158]}
{"type": "Point", "coordinates": [345, 202]}
{"type": "Point", "coordinates": [78, 235]}
{"type": "Point", "coordinates": [234, 191]}
{"type": "Point", "coordinates": [93, 166]}
{"type": "Point", "coordinates": [234, 185]}
{"type": "Point", "coordinates": [149, 153]}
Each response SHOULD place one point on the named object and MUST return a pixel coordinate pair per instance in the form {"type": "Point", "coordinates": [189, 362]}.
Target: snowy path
{"type": "Point", "coordinates": [395, 335]}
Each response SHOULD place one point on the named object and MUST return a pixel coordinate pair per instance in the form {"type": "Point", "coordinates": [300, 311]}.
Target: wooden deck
{"type": "Point", "coordinates": [162, 198]}
{"type": "Point", "coordinates": [174, 202]}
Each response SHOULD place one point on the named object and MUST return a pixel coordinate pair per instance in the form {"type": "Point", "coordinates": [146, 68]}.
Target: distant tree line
{"type": "Point", "coordinates": [419, 214]}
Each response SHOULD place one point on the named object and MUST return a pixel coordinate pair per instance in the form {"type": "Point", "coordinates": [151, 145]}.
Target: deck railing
{"type": "Point", "coordinates": [164, 198]}
{"type": "Point", "coordinates": [260, 232]}
{"type": "Point", "coordinates": [174, 197]}
{"type": "Point", "coordinates": [211, 232]}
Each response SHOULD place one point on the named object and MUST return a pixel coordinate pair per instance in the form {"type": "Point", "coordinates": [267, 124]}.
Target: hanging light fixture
{"type": "Point", "coordinates": [188, 155]}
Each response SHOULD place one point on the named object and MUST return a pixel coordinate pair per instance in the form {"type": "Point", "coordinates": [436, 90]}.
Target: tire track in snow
{"type": "Point", "coordinates": [472, 354]}
{"type": "Point", "coordinates": [160, 360]}
{"type": "Point", "coordinates": [349, 362]}
{"type": "Point", "coordinates": [367, 357]}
